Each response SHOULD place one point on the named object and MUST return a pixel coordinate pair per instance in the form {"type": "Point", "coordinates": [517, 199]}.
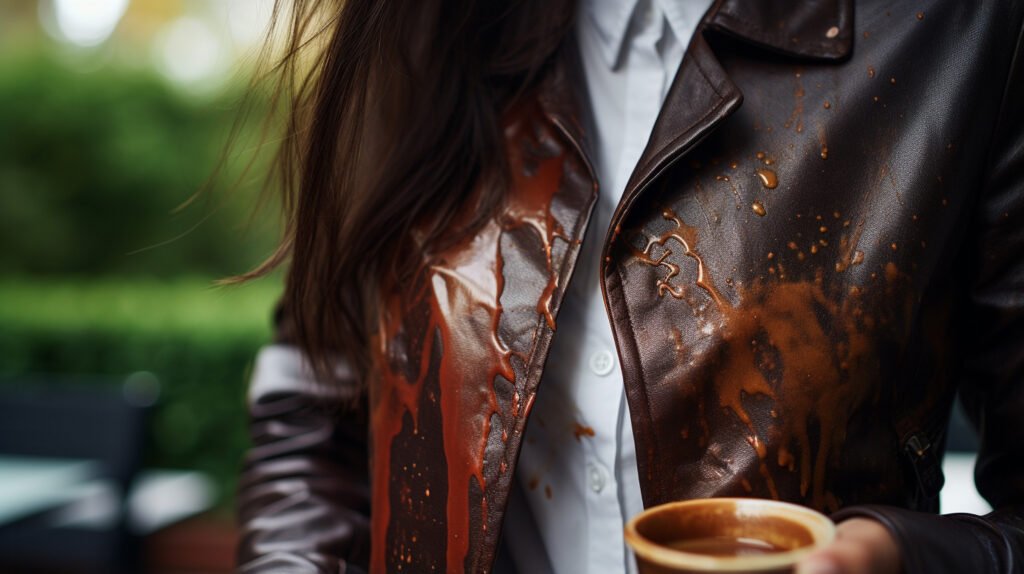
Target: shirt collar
{"type": "Point", "coordinates": [611, 18]}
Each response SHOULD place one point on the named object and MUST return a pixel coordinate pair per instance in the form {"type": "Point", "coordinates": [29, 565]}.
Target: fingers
{"type": "Point", "coordinates": [862, 546]}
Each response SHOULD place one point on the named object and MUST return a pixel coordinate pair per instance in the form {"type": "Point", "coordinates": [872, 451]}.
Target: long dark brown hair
{"type": "Point", "coordinates": [393, 120]}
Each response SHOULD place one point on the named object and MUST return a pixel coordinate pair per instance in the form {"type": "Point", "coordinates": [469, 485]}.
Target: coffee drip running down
{"type": "Point", "coordinates": [444, 326]}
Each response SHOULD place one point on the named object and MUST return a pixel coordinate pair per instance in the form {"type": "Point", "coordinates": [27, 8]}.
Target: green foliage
{"type": "Point", "coordinates": [100, 270]}
{"type": "Point", "coordinates": [94, 163]}
{"type": "Point", "coordinates": [198, 340]}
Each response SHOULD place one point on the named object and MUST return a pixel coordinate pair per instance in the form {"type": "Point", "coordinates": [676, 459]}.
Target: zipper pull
{"type": "Point", "coordinates": [925, 464]}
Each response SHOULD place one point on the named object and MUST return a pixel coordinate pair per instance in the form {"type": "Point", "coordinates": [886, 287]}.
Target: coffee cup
{"type": "Point", "coordinates": [737, 535]}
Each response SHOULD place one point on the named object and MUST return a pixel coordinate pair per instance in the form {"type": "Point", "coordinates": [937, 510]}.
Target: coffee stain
{"type": "Point", "coordinates": [885, 173]}
{"type": "Point", "coordinates": [732, 188]}
{"type": "Point", "coordinates": [581, 431]}
{"type": "Point", "coordinates": [796, 117]}
{"type": "Point", "coordinates": [801, 343]}
{"type": "Point", "coordinates": [460, 290]}
{"type": "Point", "coordinates": [686, 236]}
{"type": "Point", "coordinates": [677, 340]}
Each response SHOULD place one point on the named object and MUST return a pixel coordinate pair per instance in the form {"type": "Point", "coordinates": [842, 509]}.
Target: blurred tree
{"type": "Point", "coordinates": [92, 165]}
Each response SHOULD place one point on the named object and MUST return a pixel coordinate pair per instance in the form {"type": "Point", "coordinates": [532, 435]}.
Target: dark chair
{"type": "Point", "coordinates": [102, 421]}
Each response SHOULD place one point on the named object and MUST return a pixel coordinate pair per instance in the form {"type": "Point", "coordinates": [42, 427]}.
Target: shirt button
{"type": "Point", "coordinates": [602, 362]}
{"type": "Point", "coordinates": [598, 477]}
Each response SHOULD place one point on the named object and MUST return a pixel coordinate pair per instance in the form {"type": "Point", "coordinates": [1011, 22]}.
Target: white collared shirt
{"type": "Point", "coordinates": [577, 474]}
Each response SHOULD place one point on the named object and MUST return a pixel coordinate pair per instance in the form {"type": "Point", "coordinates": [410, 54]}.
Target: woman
{"type": "Point", "coordinates": [798, 225]}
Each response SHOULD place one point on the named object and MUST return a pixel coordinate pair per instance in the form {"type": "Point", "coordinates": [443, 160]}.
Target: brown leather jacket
{"type": "Point", "coordinates": [821, 244]}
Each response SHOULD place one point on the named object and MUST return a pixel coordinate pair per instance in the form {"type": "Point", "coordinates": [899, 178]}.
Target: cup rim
{"type": "Point", "coordinates": [823, 530]}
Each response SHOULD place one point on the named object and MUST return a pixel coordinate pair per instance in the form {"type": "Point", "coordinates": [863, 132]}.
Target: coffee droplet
{"type": "Point", "coordinates": [758, 208]}
{"type": "Point", "coordinates": [920, 15]}
{"type": "Point", "coordinates": [768, 178]}
{"type": "Point", "coordinates": [834, 31]}
{"type": "Point", "coordinates": [871, 71]}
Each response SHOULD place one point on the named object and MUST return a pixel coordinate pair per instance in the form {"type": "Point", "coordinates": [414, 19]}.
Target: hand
{"type": "Point", "coordinates": [862, 546]}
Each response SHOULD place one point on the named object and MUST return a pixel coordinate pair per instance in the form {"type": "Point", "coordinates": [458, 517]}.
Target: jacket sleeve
{"type": "Point", "coordinates": [303, 496]}
{"type": "Point", "coordinates": [992, 388]}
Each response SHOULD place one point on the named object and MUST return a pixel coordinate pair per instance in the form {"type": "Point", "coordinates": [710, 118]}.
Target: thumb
{"type": "Point", "coordinates": [820, 563]}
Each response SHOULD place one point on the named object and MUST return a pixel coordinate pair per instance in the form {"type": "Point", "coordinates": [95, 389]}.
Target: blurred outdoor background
{"type": "Point", "coordinates": [113, 113]}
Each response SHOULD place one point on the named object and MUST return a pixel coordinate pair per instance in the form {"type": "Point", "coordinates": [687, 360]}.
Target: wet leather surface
{"type": "Point", "coordinates": [821, 244]}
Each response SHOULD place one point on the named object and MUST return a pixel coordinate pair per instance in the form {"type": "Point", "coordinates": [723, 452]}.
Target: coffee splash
{"type": "Point", "coordinates": [801, 340]}
{"type": "Point", "coordinates": [460, 293]}
{"type": "Point", "coordinates": [686, 236]}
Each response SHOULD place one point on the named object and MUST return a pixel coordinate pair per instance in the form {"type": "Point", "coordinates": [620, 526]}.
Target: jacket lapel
{"type": "Point", "coordinates": [461, 349]}
{"type": "Point", "coordinates": [701, 96]}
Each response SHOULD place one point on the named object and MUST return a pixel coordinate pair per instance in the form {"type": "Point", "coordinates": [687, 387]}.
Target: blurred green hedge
{"type": "Point", "coordinates": [93, 164]}
{"type": "Point", "coordinates": [200, 342]}
{"type": "Point", "coordinates": [101, 275]}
